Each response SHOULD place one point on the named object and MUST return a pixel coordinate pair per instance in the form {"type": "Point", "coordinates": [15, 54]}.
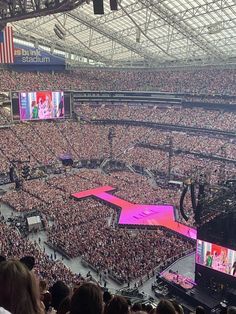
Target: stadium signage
{"type": "Point", "coordinates": [31, 56]}
{"type": "Point", "coordinates": [34, 56]}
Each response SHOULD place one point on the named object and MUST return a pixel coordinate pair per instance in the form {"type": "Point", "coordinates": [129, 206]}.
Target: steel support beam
{"type": "Point", "coordinates": [69, 47]}
{"type": "Point", "coordinates": [183, 27]}
{"type": "Point", "coordinates": [16, 10]}
{"type": "Point", "coordinates": [108, 32]}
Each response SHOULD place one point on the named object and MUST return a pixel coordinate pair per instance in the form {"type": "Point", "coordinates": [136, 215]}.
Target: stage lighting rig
{"type": "Point", "coordinates": [16, 10]}
{"type": "Point", "coordinates": [219, 202]}
{"type": "Point", "coordinates": [197, 182]}
{"type": "Point", "coordinates": [26, 171]}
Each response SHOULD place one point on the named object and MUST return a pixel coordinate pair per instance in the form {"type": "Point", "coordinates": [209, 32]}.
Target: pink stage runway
{"type": "Point", "coordinates": [139, 214]}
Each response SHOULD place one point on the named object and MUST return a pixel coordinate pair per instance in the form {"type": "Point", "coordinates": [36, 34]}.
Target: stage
{"type": "Point", "coordinates": [132, 214]}
{"type": "Point", "coordinates": [180, 285]}
{"type": "Point", "coordinates": [179, 278]}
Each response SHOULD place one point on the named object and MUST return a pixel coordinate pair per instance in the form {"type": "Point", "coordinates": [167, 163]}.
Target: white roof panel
{"type": "Point", "coordinates": [154, 31]}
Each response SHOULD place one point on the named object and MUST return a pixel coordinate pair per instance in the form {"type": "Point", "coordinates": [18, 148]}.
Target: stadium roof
{"type": "Point", "coordinates": [141, 31]}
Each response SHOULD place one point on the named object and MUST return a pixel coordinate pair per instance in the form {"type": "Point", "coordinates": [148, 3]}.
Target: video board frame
{"type": "Point", "coordinates": [16, 110]}
{"type": "Point", "coordinates": [216, 257]}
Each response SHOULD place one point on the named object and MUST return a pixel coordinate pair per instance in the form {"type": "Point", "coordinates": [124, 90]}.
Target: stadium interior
{"type": "Point", "coordinates": [117, 156]}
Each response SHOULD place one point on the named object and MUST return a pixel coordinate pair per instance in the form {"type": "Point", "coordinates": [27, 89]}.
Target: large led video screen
{"type": "Point", "coordinates": [216, 257]}
{"type": "Point", "coordinates": [41, 105]}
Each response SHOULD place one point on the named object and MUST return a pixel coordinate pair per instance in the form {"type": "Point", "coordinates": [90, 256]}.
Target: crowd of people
{"type": "Point", "coordinates": [207, 80]}
{"type": "Point", "coordinates": [22, 292]}
{"type": "Point", "coordinates": [21, 201]}
{"type": "Point", "coordinates": [13, 245]}
{"type": "Point", "coordinates": [4, 116]}
{"type": "Point", "coordinates": [75, 224]}
{"type": "Point", "coordinates": [164, 114]}
{"type": "Point", "coordinates": [46, 142]}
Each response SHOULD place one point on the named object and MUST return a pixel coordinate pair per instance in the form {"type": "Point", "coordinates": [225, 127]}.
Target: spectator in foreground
{"type": "Point", "coordinates": [165, 307]}
{"type": "Point", "coordinates": [64, 307]}
{"type": "Point", "coordinates": [87, 299]}
{"type": "Point", "coordinates": [107, 297]}
{"type": "Point", "coordinates": [148, 308]}
{"type": "Point", "coordinates": [200, 310]}
{"type": "Point", "coordinates": [117, 305]}
{"type": "Point", "coordinates": [59, 291]}
{"type": "Point", "coordinates": [178, 307]}
{"type": "Point", "coordinates": [136, 307]}
{"type": "Point", "coordinates": [19, 292]}
{"type": "Point", "coordinates": [45, 295]}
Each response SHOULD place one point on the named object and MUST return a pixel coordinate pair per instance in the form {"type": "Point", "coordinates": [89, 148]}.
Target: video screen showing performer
{"type": "Point", "coordinates": [41, 105]}
{"type": "Point", "coordinates": [216, 257]}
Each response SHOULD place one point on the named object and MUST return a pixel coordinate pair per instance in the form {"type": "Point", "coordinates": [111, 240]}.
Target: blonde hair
{"type": "Point", "coordinates": [19, 292]}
